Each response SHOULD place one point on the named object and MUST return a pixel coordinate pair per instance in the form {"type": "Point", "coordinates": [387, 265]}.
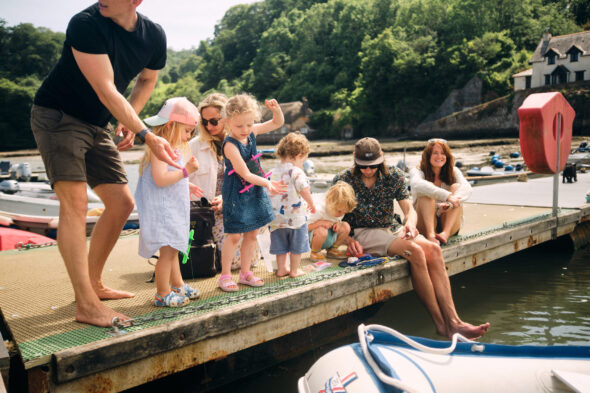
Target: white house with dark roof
{"type": "Point", "coordinates": [557, 60]}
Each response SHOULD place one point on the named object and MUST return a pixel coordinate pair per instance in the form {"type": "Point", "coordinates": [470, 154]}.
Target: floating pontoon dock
{"type": "Point", "coordinates": [61, 355]}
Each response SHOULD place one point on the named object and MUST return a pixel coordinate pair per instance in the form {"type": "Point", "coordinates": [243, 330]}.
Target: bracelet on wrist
{"type": "Point", "coordinates": [141, 134]}
{"type": "Point", "coordinates": [184, 172]}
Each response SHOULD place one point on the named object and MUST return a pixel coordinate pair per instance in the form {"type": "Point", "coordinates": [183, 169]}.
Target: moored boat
{"type": "Point", "coordinates": [34, 207]}
{"type": "Point", "coordinates": [384, 360]}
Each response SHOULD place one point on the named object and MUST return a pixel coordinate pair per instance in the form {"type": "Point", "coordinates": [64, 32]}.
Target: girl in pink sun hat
{"type": "Point", "coordinates": [163, 201]}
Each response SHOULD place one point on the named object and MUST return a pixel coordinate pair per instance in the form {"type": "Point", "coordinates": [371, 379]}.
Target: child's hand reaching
{"type": "Point", "coordinates": [192, 165]}
{"type": "Point", "coordinates": [312, 208]}
{"type": "Point", "coordinates": [276, 187]}
{"type": "Point", "coordinates": [194, 190]}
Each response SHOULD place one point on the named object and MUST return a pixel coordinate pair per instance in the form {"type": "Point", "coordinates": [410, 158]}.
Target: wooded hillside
{"type": "Point", "coordinates": [379, 65]}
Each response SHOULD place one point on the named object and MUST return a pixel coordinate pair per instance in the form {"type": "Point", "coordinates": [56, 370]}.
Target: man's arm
{"type": "Point", "coordinates": [411, 218]}
{"type": "Point", "coordinates": [99, 73]}
{"type": "Point", "coordinates": [140, 94]}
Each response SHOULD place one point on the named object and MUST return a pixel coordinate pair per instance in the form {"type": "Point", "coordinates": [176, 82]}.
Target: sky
{"type": "Point", "coordinates": [186, 22]}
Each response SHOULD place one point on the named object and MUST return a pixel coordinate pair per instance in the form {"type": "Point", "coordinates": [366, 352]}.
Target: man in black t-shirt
{"type": "Point", "coordinates": [106, 46]}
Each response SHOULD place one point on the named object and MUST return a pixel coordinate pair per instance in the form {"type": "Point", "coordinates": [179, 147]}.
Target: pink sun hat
{"type": "Point", "coordinates": [178, 109]}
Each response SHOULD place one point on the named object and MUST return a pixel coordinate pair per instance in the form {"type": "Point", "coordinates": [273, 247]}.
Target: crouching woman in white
{"type": "Point", "coordinates": [438, 190]}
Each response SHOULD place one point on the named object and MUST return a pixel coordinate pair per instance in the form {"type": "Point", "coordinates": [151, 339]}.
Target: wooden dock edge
{"type": "Point", "coordinates": [131, 360]}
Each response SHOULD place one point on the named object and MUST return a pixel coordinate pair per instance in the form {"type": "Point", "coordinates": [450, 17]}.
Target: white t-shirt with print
{"type": "Point", "coordinates": [290, 208]}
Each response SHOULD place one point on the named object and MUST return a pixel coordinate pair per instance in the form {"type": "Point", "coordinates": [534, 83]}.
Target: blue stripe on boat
{"type": "Point", "coordinates": [532, 351]}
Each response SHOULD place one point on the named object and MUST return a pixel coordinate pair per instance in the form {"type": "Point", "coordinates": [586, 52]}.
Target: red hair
{"type": "Point", "coordinates": [446, 172]}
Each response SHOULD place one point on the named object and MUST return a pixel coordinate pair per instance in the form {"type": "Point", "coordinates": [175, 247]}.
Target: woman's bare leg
{"type": "Point", "coordinates": [426, 211]}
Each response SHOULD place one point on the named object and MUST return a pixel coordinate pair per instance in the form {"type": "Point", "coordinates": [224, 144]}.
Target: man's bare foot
{"type": "Point", "coordinates": [106, 293]}
{"type": "Point", "coordinates": [297, 273]}
{"type": "Point", "coordinates": [442, 237]}
{"type": "Point", "coordinates": [470, 331]}
{"type": "Point", "coordinates": [282, 273]}
{"type": "Point", "coordinates": [99, 315]}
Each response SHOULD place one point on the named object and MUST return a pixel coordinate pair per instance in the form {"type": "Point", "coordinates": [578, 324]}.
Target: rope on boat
{"type": "Point", "coordinates": [365, 337]}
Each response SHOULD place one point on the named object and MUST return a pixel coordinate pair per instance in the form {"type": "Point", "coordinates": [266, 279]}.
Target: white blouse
{"type": "Point", "coordinates": [421, 186]}
{"type": "Point", "coordinates": [206, 176]}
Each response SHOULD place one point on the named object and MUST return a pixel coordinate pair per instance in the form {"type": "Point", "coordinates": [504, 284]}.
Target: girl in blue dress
{"type": "Point", "coordinates": [163, 202]}
{"type": "Point", "coordinates": [246, 204]}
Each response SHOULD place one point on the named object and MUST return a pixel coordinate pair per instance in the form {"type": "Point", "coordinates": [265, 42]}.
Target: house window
{"type": "Point", "coordinates": [573, 56]}
{"type": "Point", "coordinates": [527, 82]}
{"type": "Point", "coordinates": [579, 75]}
{"type": "Point", "coordinates": [551, 58]}
{"type": "Point", "coordinates": [547, 79]}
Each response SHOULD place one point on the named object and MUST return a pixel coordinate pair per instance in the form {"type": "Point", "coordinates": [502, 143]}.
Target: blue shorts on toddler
{"type": "Point", "coordinates": [284, 240]}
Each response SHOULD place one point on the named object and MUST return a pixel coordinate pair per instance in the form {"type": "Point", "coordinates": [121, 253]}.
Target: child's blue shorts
{"type": "Point", "coordinates": [284, 240]}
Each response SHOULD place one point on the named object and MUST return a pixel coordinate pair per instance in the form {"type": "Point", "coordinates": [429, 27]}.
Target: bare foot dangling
{"type": "Point", "coordinates": [470, 331]}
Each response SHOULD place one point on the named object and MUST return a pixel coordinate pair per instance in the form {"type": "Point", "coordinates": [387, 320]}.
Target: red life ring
{"type": "Point", "coordinates": [538, 116]}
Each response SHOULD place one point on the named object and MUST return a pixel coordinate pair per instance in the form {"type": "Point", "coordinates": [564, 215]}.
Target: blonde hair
{"type": "Point", "coordinates": [293, 144]}
{"type": "Point", "coordinates": [172, 132]}
{"type": "Point", "coordinates": [217, 101]}
{"type": "Point", "coordinates": [240, 104]}
{"type": "Point", "coordinates": [341, 195]}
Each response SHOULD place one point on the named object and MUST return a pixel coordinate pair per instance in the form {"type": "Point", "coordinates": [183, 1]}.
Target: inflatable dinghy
{"type": "Point", "coordinates": [385, 360]}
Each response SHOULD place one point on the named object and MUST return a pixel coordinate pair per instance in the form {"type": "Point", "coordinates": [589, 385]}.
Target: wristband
{"type": "Point", "coordinates": [184, 172]}
{"type": "Point", "coordinates": [141, 134]}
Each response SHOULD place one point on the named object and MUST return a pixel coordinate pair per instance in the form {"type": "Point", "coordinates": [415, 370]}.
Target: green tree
{"type": "Point", "coordinates": [16, 99]}
{"type": "Point", "coordinates": [30, 51]}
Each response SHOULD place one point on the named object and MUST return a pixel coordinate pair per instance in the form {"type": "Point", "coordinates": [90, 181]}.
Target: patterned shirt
{"type": "Point", "coordinates": [290, 208]}
{"type": "Point", "coordinates": [375, 205]}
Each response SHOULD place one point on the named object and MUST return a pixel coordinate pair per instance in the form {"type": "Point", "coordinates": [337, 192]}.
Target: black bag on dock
{"type": "Point", "coordinates": [204, 258]}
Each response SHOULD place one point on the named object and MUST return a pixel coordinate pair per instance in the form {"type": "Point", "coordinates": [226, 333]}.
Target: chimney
{"type": "Point", "coordinates": [546, 36]}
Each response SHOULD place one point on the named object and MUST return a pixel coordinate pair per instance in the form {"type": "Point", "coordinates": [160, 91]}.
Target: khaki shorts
{"type": "Point", "coordinates": [73, 150]}
{"type": "Point", "coordinates": [376, 241]}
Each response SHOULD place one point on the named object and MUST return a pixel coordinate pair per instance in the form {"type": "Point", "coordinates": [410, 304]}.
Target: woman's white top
{"type": "Point", "coordinates": [421, 186]}
{"type": "Point", "coordinates": [206, 176]}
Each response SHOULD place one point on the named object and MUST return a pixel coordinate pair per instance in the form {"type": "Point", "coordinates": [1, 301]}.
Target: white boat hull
{"type": "Point", "coordinates": [42, 214]}
{"type": "Point", "coordinates": [490, 368]}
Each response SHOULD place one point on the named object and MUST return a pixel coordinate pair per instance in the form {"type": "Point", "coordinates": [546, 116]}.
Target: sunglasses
{"type": "Point", "coordinates": [439, 140]}
{"type": "Point", "coordinates": [214, 122]}
{"type": "Point", "coordinates": [368, 166]}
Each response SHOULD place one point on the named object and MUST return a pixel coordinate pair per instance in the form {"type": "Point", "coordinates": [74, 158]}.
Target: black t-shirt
{"type": "Point", "coordinates": [66, 88]}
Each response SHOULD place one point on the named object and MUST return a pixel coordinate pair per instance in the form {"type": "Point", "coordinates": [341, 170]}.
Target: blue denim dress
{"type": "Point", "coordinates": [247, 211]}
{"type": "Point", "coordinates": [164, 213]}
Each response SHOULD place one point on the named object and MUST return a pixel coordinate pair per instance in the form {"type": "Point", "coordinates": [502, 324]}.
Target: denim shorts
{"type": "Point", "coordinates": [284, 240]}
{"type": "Point", "coordinates": [73, 150]}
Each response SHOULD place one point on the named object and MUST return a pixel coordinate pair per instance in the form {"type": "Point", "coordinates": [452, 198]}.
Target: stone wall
{"type": "Point", "coordinates": [499, 118]}
{"type": "Point", "coordinates": [459, 99]}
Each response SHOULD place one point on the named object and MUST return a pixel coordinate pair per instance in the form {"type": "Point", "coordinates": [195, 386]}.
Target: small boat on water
{"type": "Point", "coordinates": [385, 360]}
{"type": "Point", "coordinates": [33, 206]}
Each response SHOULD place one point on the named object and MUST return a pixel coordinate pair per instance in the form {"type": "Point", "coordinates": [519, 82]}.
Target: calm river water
{"type": "Point", "coordinates": [537, 296]}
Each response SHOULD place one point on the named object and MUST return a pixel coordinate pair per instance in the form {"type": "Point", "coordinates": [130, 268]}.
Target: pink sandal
{"type": "Point", "coordinates": [226, 283]}
{"type": "Point", "coordinates": [250, 279]}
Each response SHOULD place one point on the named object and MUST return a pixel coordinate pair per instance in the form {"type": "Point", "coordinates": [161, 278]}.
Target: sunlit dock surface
{"type": "Point", "coordinates": [59, 354]}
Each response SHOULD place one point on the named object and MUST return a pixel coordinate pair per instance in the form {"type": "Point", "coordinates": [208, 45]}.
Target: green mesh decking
{"type": "Point", "coordinates": [86, 334]}
{"type": "Point", "coordinates": [37, 300]}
